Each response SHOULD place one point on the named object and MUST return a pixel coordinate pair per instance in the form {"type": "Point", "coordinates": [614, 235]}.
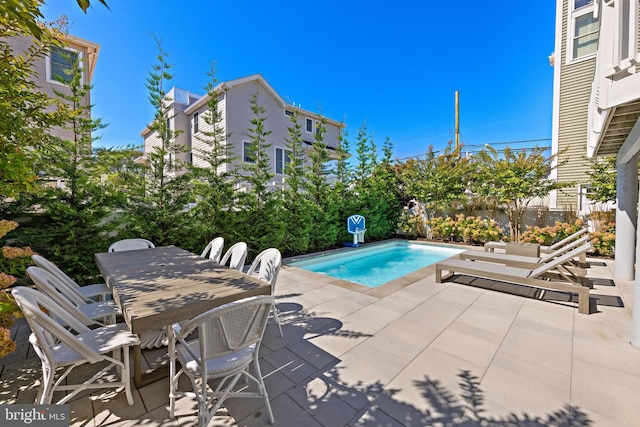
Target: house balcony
{"type": "Point", "coordinates": [614, 106]}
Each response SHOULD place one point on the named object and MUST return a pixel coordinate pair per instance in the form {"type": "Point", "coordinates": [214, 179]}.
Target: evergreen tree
{"type": "Point", "coordinates": [296, 211]}
{"type": "Point", "coordinates": [325, 214]}
{"type": "Point", "coordinates": [158, 214]}
{"type": "Point", "coordinates": [77, 207]}
{"type": "Point", "coordinates": [260, 207]}
{"type": "Point", "coordinates": [258, 168]}
{"type": "Point", "coordinates": [211, 177]}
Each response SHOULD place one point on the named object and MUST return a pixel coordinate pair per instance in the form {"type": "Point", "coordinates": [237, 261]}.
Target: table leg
{"type": "Point", "coordinates": [140, 379]}
{"type": "Point", "coordinates": [137, 366]}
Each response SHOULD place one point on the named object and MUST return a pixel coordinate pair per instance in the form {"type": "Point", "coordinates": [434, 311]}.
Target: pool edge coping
{"type": "Point", "coordinates": [379, 291]}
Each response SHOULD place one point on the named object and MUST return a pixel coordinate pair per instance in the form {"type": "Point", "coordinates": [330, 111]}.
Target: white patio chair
{"type": "Point", "coordinates": [130, 245]}
{"type": "Point", "coordinates": [228, 341]}
{"type": "Point", "coordinates": [213, 250]}
{"type": "Point", "coordinates": [266, 266]}
{"type": "Point", "coordinates": [235, 256]}
{"type": "Point", "coordinates": [98, 291]}
{"type": "Point", "coordinates": [58, 347]}
{"type": "Point", "coordinates": [102, 312]}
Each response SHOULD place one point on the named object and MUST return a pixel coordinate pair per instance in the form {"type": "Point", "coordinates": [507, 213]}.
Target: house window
{"type": "Point", "coordinates": [60, 64]}
{"type": "Point", "coordinates": [283, 158]}
{"type": "Point", "coordinates": [288, 113]}
{"type": "Point", "coordinates": [583, 30]}
{"type": "Point", "coordinates": [308, 125]}
{"type": "Point", "coordinates": [196, 127]}
{"type": "Point", "coordinates": [248, 155]}
{"type": "Point", "coordinates": [167, 130]}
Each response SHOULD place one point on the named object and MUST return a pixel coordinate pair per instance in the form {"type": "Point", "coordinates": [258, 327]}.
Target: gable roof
{"type": "Point", "coordinates": [222, 86]}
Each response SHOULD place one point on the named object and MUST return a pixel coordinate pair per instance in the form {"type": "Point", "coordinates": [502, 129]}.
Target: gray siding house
{"type": "Point", "coordinates": [49, 71]}
{"type": "Point", "coordinates": [574, 59]}
{"type": "Point", "coordinates": [187, 111]}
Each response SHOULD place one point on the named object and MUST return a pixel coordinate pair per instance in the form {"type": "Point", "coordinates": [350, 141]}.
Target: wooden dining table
{"type": "Point", "coordinates": [157, 287]}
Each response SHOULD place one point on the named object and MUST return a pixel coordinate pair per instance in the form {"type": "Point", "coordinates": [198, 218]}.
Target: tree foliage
{"type": "Point", "coordinates": [211, 179]}
{"type": "Point", "coordinates": [602, 179]}
{"type": "Point", "coordinates": [438, 181]}
{"type": "Point", "coordinates": [27, 114]}
{"type": "Point", "coordinates": [73, 204]}
{"type": "Point", "coordinates": [156, 209]}
{"type": "Point", "coordinates": [514, 178]}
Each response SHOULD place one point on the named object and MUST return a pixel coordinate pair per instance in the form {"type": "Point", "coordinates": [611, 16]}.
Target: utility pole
{"type": "Point", "coordinates": [457, 120]}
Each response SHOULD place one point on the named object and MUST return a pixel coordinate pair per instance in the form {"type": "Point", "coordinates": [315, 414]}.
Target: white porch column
{"type": "Point", "coordinates": [635, 316]}
{"type": "Point", "coordinates": [626, 219]}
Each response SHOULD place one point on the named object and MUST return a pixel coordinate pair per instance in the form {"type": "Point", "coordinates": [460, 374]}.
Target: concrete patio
{"type": "Point", "coordinates": [409, 353]}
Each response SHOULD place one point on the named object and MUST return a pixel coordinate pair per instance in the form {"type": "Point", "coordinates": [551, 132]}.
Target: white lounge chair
{"type": "Point", "coordinates": [73, 345]}
{"type": "Point", "coordinates": [491, 246]}
{"type": "Point", "coordinates": [227, 345]}
{"type": "Point", "coordinates": [527, 261]}
{"type": "Point", "coordinates": [538, 277]}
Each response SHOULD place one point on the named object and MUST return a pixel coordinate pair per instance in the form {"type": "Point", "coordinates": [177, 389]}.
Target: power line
{"type": "Point", "coordinates": [522, 141]}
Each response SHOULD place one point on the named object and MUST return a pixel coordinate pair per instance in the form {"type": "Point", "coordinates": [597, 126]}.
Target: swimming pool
{"type": "Point", "coordinates": [375, 265]}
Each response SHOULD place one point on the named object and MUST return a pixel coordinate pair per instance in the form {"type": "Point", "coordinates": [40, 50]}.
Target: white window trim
{"type": "Point", "coordinates": [50, 78]}
{"type": "Point", "coordinates": [290, 111]}
{"type": "Point", "coordinates": [313, 125]}
{"type": "Point", "coordinates": [284, 163]}
{"type": "Point", "coordinates": [196, 122]}
{"type": "Point", "coordinates": [572, 15]}
{"type": "Point", "coordinates": [244, 144]}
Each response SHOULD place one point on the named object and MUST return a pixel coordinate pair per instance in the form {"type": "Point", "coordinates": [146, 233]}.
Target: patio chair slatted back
{"type": "Point", "coordinates": [227, 344]}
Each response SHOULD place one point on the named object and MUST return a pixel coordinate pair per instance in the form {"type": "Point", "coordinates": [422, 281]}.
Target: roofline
{"type": "Point", "coordinates": [222, 86]}
{"type": "Point", "coordinates": [93, 49]}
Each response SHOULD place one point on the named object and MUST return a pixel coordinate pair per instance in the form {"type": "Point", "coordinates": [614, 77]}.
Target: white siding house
{"type": "Point", "coordinates": [613, 127]}
{"type": "Point", "coordinates": [187, 111]}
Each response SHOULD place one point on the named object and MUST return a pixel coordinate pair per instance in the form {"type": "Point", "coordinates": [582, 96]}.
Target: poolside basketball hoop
{"type": "Point", "coordinates": [356, 226]}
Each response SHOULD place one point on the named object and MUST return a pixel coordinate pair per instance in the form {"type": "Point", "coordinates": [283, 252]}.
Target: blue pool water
{"type": "Point", "coordinates": [373, 266]}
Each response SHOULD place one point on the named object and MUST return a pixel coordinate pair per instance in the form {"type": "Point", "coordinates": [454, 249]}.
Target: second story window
{"type": "Point", "coordinates": [308, 125]}
{"type": "Point", "coordinates": [283, 157]}
{"type": "Point", "coordinates": [60, 64]}
{"type": "Point", "coordinates": [196, 127]}
{"type": "Point", "coordinates": [582, 39]}
{"type": "Point", "coordinates": [248, 155]}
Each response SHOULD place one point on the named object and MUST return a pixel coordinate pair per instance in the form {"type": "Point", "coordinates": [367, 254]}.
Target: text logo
{"type": "Point", "coordinates": [34, 415]}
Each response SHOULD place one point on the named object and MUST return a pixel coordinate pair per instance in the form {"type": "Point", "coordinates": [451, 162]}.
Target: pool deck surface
{"type": "Point", "coordinates": [409, 353]}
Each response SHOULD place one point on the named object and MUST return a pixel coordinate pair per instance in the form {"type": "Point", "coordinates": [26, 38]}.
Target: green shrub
{"type": "Point", "coordinates": [603, 239]}
{"type": "Point", "coordinates": [467, 229]}
{"type": "Point", "coordinates": [412, 225]}
{"type": "Point", "coordinates": [552, 233]}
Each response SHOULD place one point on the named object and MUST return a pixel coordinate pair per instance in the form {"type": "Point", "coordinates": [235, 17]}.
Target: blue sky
{"type": "Point", "coordinates": [394, 66]}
